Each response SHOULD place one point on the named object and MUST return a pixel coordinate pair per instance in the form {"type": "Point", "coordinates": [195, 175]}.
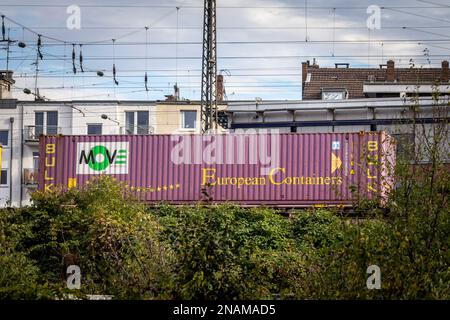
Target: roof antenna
{"type": "Point", "coordinates": [369, 48]}
{"type": "Point", "coordinates": [146, 57]}
{"type": "Point", "coordinates": [306, 20]}
{"type": "Point", "coordinates": [334, 29]}
{"type": "Point", "coordinates": [176, 49]}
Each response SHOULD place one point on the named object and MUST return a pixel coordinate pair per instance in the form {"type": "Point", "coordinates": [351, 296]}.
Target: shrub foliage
{"type": "Point", "coordinates": [130, 251]}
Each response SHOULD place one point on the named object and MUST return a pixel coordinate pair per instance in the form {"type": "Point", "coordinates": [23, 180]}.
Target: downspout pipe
{"type": "Point", "coordinates": [21, 155]}
{"type": "Point", "coordinates": [11, 129]}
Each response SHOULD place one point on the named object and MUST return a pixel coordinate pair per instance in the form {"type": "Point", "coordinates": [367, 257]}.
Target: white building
{"type": "Point", "coordinates": [22, 123]}
{"type": "Point", "coordinates": [393, 115]}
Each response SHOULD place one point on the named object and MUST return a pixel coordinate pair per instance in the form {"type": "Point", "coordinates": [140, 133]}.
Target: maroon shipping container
{"type": "Point", "coordinates": [291, 170]}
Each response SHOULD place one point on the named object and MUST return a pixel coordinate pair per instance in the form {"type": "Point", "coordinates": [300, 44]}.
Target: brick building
{"type": "Point", "coordinates": [344, 82]}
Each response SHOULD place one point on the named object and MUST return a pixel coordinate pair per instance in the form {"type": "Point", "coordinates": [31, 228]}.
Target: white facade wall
{"type": "Point", "coordinates": [278, 114]}
{"type": "Point", "coordinates": [319, 111]}
{"type": "Point", "coordinates": [73, 118]}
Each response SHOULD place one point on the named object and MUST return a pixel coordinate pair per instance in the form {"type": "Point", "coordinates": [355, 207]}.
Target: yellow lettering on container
{"type": "Point", "coordinates": [47, 177]}
{"type": "Point", "coordinates": [72, 183]}
{"type": "Point", "coordinates": [372, 145]}
{"type": "Point", "coordinates": [50, 148]}
{"type": "Point", "coordinates": [272, 173]}
{"type": "Point", "coordinates": [48, 187]}
{"type": "Point", "coordinates": [52, 164]}
{"type": "Point", "coordinates": [207, 177]}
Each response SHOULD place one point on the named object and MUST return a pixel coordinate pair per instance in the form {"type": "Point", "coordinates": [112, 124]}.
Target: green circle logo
{"type": "Point", "coordinates": [99, 166]}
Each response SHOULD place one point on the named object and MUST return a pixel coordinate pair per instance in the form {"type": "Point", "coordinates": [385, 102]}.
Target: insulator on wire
{"type": "Point", "coordinates": [39, 45]}
{"type": "Point", "coordinates": [114, 63]}
{"type": "Point", "coordinates": [114, 75]}
{"type": "Point", "coordinates": [146, 81]}
{"type": "Point", "coordinates": [3, 28]}
{"type": "Point", "coordinates": [81, 58]}
{"type": "Point", "coordinates": [74, 68]}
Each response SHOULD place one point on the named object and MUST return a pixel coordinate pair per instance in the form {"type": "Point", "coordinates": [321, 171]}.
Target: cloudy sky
{"type": "Point", "coordinates": [261, 44]}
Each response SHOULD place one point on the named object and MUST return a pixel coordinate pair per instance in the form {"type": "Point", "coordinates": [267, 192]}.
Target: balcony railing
{"type": "Point", "coordinates": [137, 130]}
{"type": "Point", "coordinates": [30, 177]}
{"type": "Point", "coordinates": [32, 133]}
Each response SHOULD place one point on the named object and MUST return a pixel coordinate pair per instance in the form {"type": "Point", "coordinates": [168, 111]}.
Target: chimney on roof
{"type": "Point", "coordinates": [390, 71]}
{"type": "Point", "coordinates": [6, 82]}
{"type": "Point", "coordinates": [220, 90]}
{"type": "Point", "coordinates": [444, 71]}
{"type": "Point", "coordinates": [305, 66]}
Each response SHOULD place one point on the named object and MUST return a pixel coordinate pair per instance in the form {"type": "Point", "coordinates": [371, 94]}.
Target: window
{"type": "Point", "coordinates": [308, 77]}
{"type": "Point", "coordinates": [49, 126]}
{"type": "Point", "coordinates": [142, 117]}
{"type": "Point", "coordinates": [189, 119]}
{"type": "Point", "coordinates": [4, 178]}
{"type": "Point", "coordinates": [334, 94]}
{"type": "Point", "coordinates": [137, 122]}
{"type": "Point", "coordinates": [94, 129]}
{"type": "Point", "coordinates": [52, 122]}
{"type": "Point", "coordinates": [35, 160]}
{"type": "Point", "coordinates": [129, 122]}
{"type": "Point", "coordinates": [405, 145]}
{"type": "Point", "coordinates": [4, 137]}
{"type": "Point", "coordinates": [39, 123]}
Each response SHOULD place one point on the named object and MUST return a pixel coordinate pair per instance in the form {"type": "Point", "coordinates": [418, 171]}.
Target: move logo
{"type": "Point", "coordinates": [102, 158]}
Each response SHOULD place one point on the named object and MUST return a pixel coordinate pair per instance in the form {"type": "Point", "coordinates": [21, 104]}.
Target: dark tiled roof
{"type": "Point", "coordinates": [353, 79]}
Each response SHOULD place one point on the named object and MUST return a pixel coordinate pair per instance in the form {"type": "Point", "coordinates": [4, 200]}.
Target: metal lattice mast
{"type": "Point", "coordinates": [209, 68]}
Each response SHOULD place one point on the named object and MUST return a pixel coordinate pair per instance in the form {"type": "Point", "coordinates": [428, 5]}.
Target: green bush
{"type": "Point", "coordinates": [19, 276]}
{"type": "Point", "coordinates": [131, 251]}
{"type": "Point", "coordinates": [103, 231]}
{"type": "Point", "coordinates": [219, 247]}
{"type": "Point", "coordinates": [317, 229]}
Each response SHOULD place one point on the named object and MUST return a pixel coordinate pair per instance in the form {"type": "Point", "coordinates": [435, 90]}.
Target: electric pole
{"type": "Point", "coordinates": [209, 68]}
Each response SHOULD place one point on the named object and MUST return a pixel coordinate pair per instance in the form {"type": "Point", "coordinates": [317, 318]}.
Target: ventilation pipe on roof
{"type": "Point", "coordinates": [220, 88]}
{"type": "Point", "coordinates": [390, 72]}
{"type": "Point", "coordinates": [11, 152]}
{"type": "Point", "coordinates": [444, 71]}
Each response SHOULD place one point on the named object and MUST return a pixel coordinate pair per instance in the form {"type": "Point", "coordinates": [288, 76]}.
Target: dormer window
{"type": "Point", "coordinates": [308, 77]}
{"type": "Point", "coordinates": [334, 94]}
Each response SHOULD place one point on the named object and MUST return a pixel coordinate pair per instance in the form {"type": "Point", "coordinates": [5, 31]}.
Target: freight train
{"type": "Point", "coordinates": [280, 170]}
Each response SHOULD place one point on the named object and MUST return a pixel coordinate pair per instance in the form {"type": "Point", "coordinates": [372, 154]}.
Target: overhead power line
{"type": "Point", "coordinates": [162, 6]}
{"type": "Point", "coordinates": [235, 27]}
{"type": "Point", "coordinates": [48, 69]}
{"type": "Point", "coordinates": [102, 58]}
{"type": "Point", "coordinates": [256, 42]}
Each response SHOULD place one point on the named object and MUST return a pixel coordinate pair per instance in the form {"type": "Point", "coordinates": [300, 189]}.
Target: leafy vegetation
{"type": "Point", "coordinates": [219, 252]}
